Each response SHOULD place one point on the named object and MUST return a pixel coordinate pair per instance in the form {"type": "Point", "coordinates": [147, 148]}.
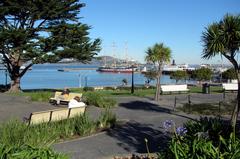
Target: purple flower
{"type": "Point", "coordinates": [181, 131]}
{"type": "Point", "coordinates": [167, 124]}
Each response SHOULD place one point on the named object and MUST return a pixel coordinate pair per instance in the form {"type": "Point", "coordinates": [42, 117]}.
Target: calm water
{"type": "Point", "coordinates": [48, 76]}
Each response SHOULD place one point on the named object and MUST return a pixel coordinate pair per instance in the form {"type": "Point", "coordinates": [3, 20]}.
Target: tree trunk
{"type": "Point", "coordinates": [15, 85]}
{"type": "Point", "coordinates": [15, 76]}
{"type": "Point", "coordinates": [237, 106]}
{"type": "Point", "coordinates": [157, 88]}
{"type": "Point", "coordinates": [158, 85]}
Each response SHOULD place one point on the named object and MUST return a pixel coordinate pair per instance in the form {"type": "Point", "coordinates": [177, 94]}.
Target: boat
{"type": "Point", "coordinates": [167, 69]}
{"type": "Point", "coordinates": [121, 69]}
{"type": "Point", "coordinates": [172, 68]}
{"type": "Point", "coordinates": [119, 65]}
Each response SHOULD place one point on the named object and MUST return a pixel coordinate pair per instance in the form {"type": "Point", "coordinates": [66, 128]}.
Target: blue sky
{"type": "Point", "coordinates": [142, 23]}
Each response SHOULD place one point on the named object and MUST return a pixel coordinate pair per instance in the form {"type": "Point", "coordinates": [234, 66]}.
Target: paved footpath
{"type": "Point", "coordinates": [15, 107]}
{"type": "Point", "coordinates": [143, 119]}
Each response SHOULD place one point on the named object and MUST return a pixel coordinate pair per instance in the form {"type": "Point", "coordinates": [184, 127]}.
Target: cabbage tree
{"type": "Point", "coordinates": [158, 54]}
{"type": "Point", "coordinates": [223, 38]}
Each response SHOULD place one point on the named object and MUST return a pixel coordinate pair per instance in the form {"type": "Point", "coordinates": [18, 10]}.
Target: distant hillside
{"type": "Point", "coordinates": [100, 60]}
{"type": "Point", "coordinates": [110, 60]}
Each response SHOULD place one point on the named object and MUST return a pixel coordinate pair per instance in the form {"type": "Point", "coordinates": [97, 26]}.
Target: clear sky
{"type": "Point", "coordinates": [141, 23]}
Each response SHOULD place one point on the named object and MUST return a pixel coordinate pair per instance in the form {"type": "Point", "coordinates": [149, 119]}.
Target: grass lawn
{"type": "Point", "coordinates": [223, 108]}
{"type": "Point", "coordinates": [213, 89]}
{"type": "Point", "coordinates": [43, 96]}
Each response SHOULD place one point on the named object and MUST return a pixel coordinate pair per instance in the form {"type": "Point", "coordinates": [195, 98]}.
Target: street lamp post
{"type": "Point", "coordinates": [86, 80]}
{"type": "Point", "coordinates": [132, 90]}
{"type": "Point", "coordinates": [6, 78]}
{"type": "Point", "coordinates": [79, 80]}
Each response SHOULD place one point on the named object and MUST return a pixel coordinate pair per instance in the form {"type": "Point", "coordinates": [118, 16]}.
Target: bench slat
{"type": "Point", "coordinates": [40, 117]}
{"type": "Point", "coordinates": [230, 86]}
{"type": "Point", "coordinates": [174, 88]}
{"type": "Point", "coordinates": [55, 115]}
{"type": "Point", "coordinates": [59, 114]}
{"type": "Point", "coordinates": [76, 111]}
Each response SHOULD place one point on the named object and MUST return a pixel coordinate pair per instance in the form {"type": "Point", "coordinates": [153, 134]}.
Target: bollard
{"type": "Point", "coordinates": [224, 95]}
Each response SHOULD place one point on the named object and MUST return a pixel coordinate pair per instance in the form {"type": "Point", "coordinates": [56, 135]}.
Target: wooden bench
{"type": "Point", "coordinates": [54, 115]}
{"type": "Point", "coordinates": [174, 88]}
{"type": "Point", "coordinates": [230, 87]}
{"type": "Point", "coordinates": [99, 88]}
{"type": "Point", "coordinates": [63, 101]}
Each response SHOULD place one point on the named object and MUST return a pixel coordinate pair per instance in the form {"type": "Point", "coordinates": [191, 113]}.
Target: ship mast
{"type": "Point", "coordinates": [105, 58]}
{"type": "Point", "coordinates": [126, 53]}
{"type": "Point", "coordinates": [114, 54]}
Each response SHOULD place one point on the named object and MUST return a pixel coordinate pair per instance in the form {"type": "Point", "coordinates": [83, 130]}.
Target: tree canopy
{"type": "Point", "coordinates": [179, 75]}
{"type": "Point", "coordinates": [42, 31]}
{"type": "Point", "coordinates": [150, 75]}
{"type": "Point", "coordinates": [229, 74]}
{"type": "Point", "coordinates": [202, 74]}
{"type": "Point", "coordinates": [223, 38]}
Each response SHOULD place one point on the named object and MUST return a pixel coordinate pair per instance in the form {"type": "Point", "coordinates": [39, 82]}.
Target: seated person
{"type": "Point", "coordinates": [64, 95]}
{"type": "Point", "coordinates": [75, 102]}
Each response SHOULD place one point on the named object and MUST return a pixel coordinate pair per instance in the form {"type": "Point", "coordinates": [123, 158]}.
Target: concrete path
{"type": "Point", "coordinates": [15, 107]}
{"type": "Point", "coordinates": [143, 117]}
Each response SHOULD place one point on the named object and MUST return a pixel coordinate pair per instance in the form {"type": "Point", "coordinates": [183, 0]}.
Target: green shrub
{"type": "Point", "coordinates": [107, 119]}
{"type": "Point", "coordinates": [66, 128]}
{"type": "Point", "coordinates": [97, 99]}
{"type": "Point", "coordinates": [16, 133]}
{"type": "Point", "coordinates": [12, 132]}
{"type": "Point", "coordinates": [28, 152]}
{"type": "Point", "coordinates": [39, 136]}
{"type": "Point", "coordinates": [201, 148]}
{"type": "Point", "coordinates": [109, 88]}
{"type": "Point", "coordinates": [202, 74]}
{"type": "Point", "coordinates": [40, 96]}
{"type": "Point", "coordinates": [213, 126]}
{"type": "Point", "coordinates": [179, 75]}
{"type": "Point", "coordinates": [151, 87]}
{"type": "Point", "coordinates": [208, 138]}
{"type": "Point", "coordinates": [83, 125]}
{"type": "Point", "coordinates": [209, 108]}
{"type": "Point", "coordinates": [88, 89]}
{"type": "Point", "coordinates": [229, 74]}
{"type": "Point", "coordinates": [123, 88]}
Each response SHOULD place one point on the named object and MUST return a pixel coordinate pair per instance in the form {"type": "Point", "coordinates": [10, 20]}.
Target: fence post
{"type": "Point", "coordinates": [175, 103]}
{"type": "Point", "coordinates": [219, 109]}
{"type": "Point", "coordinates": [189, 103]}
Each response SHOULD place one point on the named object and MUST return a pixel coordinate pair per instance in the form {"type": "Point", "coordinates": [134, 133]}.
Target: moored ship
{"type": "Point", "coordinates": [121, 69]}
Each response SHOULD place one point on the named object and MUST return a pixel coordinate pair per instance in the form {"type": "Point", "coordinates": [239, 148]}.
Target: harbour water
{"type": "Point", "coordinates": [47, 76]}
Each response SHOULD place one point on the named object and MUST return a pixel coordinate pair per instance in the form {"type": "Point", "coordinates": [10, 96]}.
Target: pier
{"type": "Point", "coordinates": [76, 69]}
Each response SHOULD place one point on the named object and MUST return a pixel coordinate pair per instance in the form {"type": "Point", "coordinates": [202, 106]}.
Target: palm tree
{"type": "Point", "coordinates": [158, 54]}
{"type": "Point", "coordinates": [223, 38]}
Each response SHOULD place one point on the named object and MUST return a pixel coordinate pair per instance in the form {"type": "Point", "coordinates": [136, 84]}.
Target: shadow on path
{"type": "Point", "coordinates": [150, 107]}
{"type": "Point", "coordinates": [132, 134]}
{"type": "Point", "coordinates": [146, 106]}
